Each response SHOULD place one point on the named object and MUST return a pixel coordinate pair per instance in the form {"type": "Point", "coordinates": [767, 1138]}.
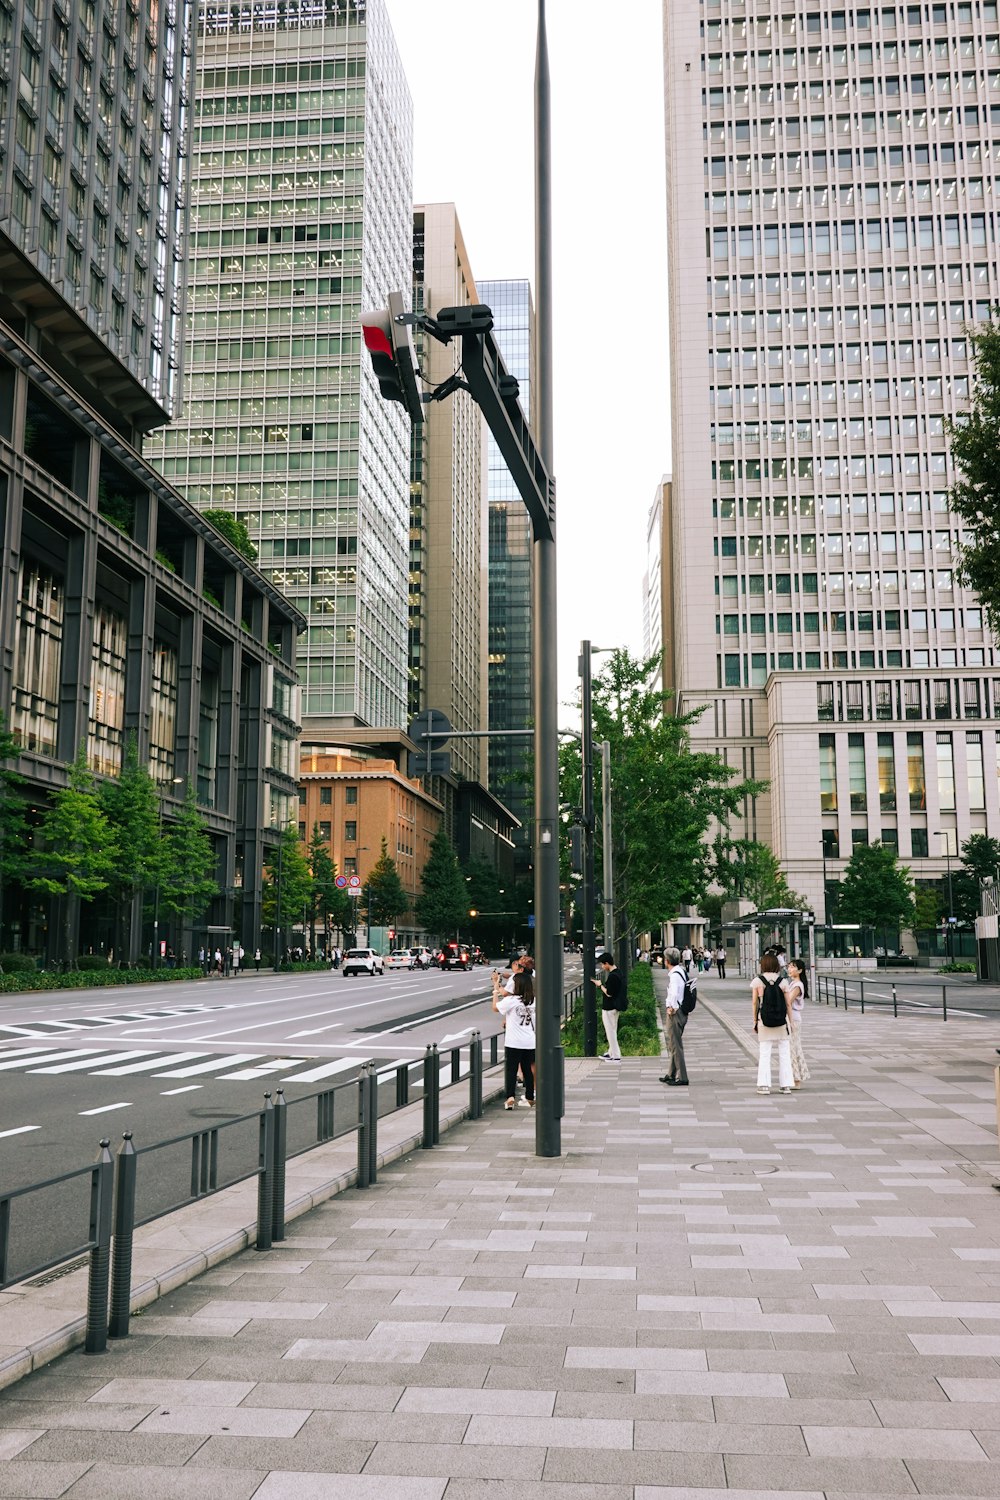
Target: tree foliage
{"type": "Point", "coordinates": [926, 908]}
{"type": "Point", "coordinates": [665, 796]}
{"type": "Point", "coordinates": [234, 531]}
{"type": "Point", "coordinates": [187, 863]}
{"type": "Point", "coordinates": [74, 852]}
{"type": "Point", "coordinates": [750, 870]}
{"type": "Point", "coordinates": [385, 894]}
{"type": "Point", "coordinates": [975, 448]}
{"type": "Point", "coordinates": [980, 860]}
{"type": "Point", "coordinates": [13, 822]}
{"type": "Point", "coordinates": [328, 904]}
{"type": "Point", "coordinates": [876, 890]}
{"type": "Point", "coordinates": [131, 805]}
{"type": "Point", "coordinates": [287, 882]}
{"type": "Point", "coordinates": [441, 906]}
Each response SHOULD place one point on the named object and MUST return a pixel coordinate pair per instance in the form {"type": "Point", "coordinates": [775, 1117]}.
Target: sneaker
{"type": "Point", "coordinates": [763, 1091]}
{"type": "Point", "coordinates": [605, 1057]}
{"type": "Point", "coordinates": [509, 1104]}
{"type": "Point", "coordinates": [786, 1091]}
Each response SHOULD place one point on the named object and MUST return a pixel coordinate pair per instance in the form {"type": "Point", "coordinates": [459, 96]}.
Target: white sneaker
{"type": "Point", "coordinates": [763, 1091]}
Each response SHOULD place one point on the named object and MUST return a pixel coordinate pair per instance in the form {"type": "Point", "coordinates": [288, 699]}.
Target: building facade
{"type": "Point", "coordinates": [448, 601]}
{"type": "Point", "coordinates": [657, 590]}
{"type": "Point", "coordinates": [510, 582]}
{"type": "Point", "coordinates": [830, 246]}
{"type": "Point", "coordinates": [301, 215]}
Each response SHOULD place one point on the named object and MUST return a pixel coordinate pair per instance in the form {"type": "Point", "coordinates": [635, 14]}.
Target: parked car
{"type": "Point", "coordinates": [363, 961]}
{"type": "Point", "coordinates": [454, 956]}
{"type": "Point", "coordinates": [423, 958]}
{"type": "Point", "coordinates": [401, 958]}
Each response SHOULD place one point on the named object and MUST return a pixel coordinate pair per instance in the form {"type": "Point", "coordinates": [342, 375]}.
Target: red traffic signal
{"type": "Point", "coordinates": [389, 342]}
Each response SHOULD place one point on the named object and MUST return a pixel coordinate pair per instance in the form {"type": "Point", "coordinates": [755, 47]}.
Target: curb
{"type": "Point", "coordinates": [738, 1033]}
{"type": "Point", "coordinates": [14, 1366]}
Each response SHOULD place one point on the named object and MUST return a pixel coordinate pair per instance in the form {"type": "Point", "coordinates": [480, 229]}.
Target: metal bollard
{"type": "Point", "coordinates": [430, 1064]}
{"type": "Point", "coordinates": [101, 1211]}
{"type": "Point", "coordinates": [265, 1175]}
{"type": "Point", "coordinates": [862, 997]}
{"type": "Point", "coordinates": [402, 1085]}
{"type": "Point", "coordinates": [324, 1115]}
{"type": "Point", "coordinates": [436, 1116]}
{"type": "Point", "coordinates": [494, 1048]}
{"type": "Point", "coordinates": [363, 1125]}
{"type": "Point", "coordinates": [204, 1162]}
{"type": "Point", "coordinates": [121, 1261]}
{"type": "Point", "coordinates": [280, 1154]}
{"type": "Point", "coordinates": [944, 1002]}
{"type": "Point", "coordinates": [894, 1010]}
{"type": "Point", "coordinates": [455, 1072]}
{"type": "Point", "coordinates": [476, 1077]}
{"type": "Point", "coordinates": [372, 1124]}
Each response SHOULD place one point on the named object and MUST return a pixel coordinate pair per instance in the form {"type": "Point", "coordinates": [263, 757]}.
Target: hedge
{"type": "Point", "coordinates": [638, 1034]}
{"type": "Point", "coordinates": [76, 979]}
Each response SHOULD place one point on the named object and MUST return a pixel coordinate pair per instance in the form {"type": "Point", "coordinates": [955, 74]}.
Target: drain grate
{"type": "Point", "coordinates": [733, 1168]}
{"type": "Point", "coordinates": [60, 1271]}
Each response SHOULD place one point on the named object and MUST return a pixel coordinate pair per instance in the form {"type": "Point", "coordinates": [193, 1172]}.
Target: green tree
{"type": "Point", "coordinates": [441, 906]}
{"type": "Point", "coordinates": [287, 884]}
{"type": "Point", "coordinates": [187, 882]}
{"type": "Point", "coordinates": [665, 796]}
{"type": "Point", "coordinates": [234, 531]}
{"type": "Point", "coordinates": [328, 904]}
{"type": "Point", "coordinates": [131, 805]}
{"type": "Point", "coordinates": [384, 891]}
{"type": "Point", "coordinates": [980, 860]}
{"type": "Point", "coordinates": [876, 890]}
{"type": "Point", "coordinates": [74, 852]}
{"type": "Point", "coordinates": [926, 908]}
{"type": "Point", "coordinates": [749, 870]}
{"type": "Point", "coordinates": [975, 448]}
{"type": "Point", "coordinates": [13, 823]}
{"type": "Point", "coordinates": [484, 897]}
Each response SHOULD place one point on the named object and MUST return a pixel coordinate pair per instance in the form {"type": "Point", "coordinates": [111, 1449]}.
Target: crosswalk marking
{"type": "Point", "coordinates": [326, 1070]}
{"type": "Point", "coordinates": [157, 1061]}
{"type": "Point", "coordinates": [19, 1130]}
{"type": "Point", "coordinates": [42, 1055]}
{"type": "Point", "coordinates": [261, 1070]}
{"type": "Point", "coordinates": [206, 1067]}
{"type": "Point", "coordinates": [88, 1062]}
{"type": "Point", "coordinates": [105, 1109]}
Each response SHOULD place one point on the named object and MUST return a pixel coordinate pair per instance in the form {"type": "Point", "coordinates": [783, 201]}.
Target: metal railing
{"type": "Point", "coordinates": [220, 1157]}
{"type": "Point", "coordinates": [904, 998]}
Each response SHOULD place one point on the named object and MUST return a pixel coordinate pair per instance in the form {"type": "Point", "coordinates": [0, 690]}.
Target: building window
{"type": "Point", "coordinates": [974, 771]}
{"type": "Point", "coordinates": [732, 671]}
{"type": "Point", "coordinates": [831, 843]}
{"type": "Point", "coordinates": [37, 660]}
{"type": "Point", "coordinates": [106, 722]}
{"type": "Point", "coordinates": [208, 737]}
{"type": "Point", "coordinates": [325, 796]}
{"type": "Point", "coordinates": [890, 839]}
{"type": "Point", "coordinates": [351, 832]}
{"type": "Point", "coordinates": [350, 866]}
{"type": "Point", "coordinates": [163, 720]}
{"type": "Point", "coordinates": [918, 843]}
{"type": "Point", "coordinates": [886, 774]}
{"type": "Point", "coordinates": [854, 700]}
{"type": "Point", "coordinates": [859, 838]}
{"type": "Point", "coordinates": [883, 700]}
{"type": "Point", "coordinates": [325, 832]}
{"type": "Point", "coordinates": [916, 778]}
{"type": "Point", "coordinates": [824, 701]}
{"type": "Point", "coordinates": [945, 773]}
{"type": "Point", "coordinates": [942, 698]}
{"type": "Point", "coordinates": [856, 772]}
{"type": "Point", "coordinates": [350, 795]}
{"type": "Point", "coordinates": [970, 695]}
{"type": "Point", "coordinates": [911, 700]}
{"type": "Point", "coordinates": [827, 773]}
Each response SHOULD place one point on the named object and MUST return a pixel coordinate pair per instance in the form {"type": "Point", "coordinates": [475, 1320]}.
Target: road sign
{"type": "Point", "coordinates": [531, 919]}
{"type": "Point", "coordinates": [340, 882]}
{"type": "Point", "coordinates": [355, 882]}
{"type": "Point", "coordinates": [431, 758]}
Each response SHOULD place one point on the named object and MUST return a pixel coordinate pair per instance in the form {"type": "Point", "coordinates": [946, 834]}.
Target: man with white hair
{"type": "Point", "coordinates": [676, 1020]}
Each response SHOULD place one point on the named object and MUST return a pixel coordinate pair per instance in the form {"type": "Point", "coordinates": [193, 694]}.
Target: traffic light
{"type": "Point", "coordinates": [392, 932]}
{"type": "Point", "coordinates": [473, 911]}
{"type": "Point", "coordinates": [389, 341]}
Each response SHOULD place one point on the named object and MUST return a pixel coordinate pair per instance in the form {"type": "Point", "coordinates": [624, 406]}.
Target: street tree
{"type": "Point", "coordinates": [926, 908]}
{"type": "Point", "coordinates": [13, 822]}
{"type": "Point", "coordinates": [974, 438]}
{"type": "Point", "coordinates": [186, 877]}
{"type": "Point", "coordinates": [131, 805]}
{"type": "Point", "coordinates": [74, 851]}
{"type": "Point", "coordinates": [749, 870]}
{"type": "Point", "coordinates": [328, 904]}
{"type": "Point", "coordinates": [385, 894]}
{"type": "Point", "coordinates": [492, 907]}
{"type": "Point", "coordinates": [876, 890]}
{"type": "Point", "coordinates": [980, 861]}
{"type": "Point", "coordinates": [441, 906]}
{"type": "Point", "coordinates": [287, 884]}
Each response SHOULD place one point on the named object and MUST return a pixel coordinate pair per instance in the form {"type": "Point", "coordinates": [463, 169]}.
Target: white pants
{"type": "Point", "coordinates": [611, 1032]}
{"type": "Point", "coordinates": [767, 1042]}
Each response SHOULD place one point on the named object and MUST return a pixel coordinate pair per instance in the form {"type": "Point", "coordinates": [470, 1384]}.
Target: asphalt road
{"type": "Point", "coordinates": [915, 993]}
{"type": "Point", "coordinates": [165, 1060]}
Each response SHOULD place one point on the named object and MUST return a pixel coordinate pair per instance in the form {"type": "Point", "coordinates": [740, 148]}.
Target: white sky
{"type": "Point", "coordinates": [470, 65]}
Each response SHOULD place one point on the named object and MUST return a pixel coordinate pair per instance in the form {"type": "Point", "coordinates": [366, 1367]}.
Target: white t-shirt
{"type": "Point", "coordinates": [675, 988]}
{"type": "Point", "coordinates": [798, 1001]}
{"type": "Point", "coordinates": [519, 1022]}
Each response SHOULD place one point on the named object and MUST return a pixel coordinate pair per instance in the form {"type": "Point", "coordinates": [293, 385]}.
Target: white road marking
{"type": "Point", "coordinates": [81, 1064]}
{"type": "Point", "coordinates": [18, 1060]}
{"type": "Point", "coordinates": [158, 1061]}
{"type": "Point", "coordinates": [455, 1036]}
{"type": "Point", "coordinates": [187, 1089]}
{"type": "Point", "coordinates": [208, 1067]}
{"type": "Point", "coordinates": [262, 1069]}
{"type": "Point", "coordinates": [314, 1032]}
{"type": "Point", "coordinates": [325, 1071]}
{"type": "Point", "coordinates": [105, 1109]}
{"type": "Point", "coordinates": [19, 1130]}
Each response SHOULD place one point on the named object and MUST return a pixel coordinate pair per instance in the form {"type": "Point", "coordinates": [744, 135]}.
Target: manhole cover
{"type": "Point", "coordinates": [733, 1168]}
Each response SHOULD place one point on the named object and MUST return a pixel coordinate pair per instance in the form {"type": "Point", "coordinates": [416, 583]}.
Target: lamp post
{"type": "Point", "coordinates": [174, 781]}
{"type": "Point", "coordinates": [946, 835]}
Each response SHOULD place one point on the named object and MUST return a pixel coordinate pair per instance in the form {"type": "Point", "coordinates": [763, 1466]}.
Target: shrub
{"type": "Point", "coordinates": [91, 962]}
{"type": "Point", "coordinates": [17, 963]}
{"type": "Point", "coordinates": [958, 966]}
{"type": "Point", "coordinates": [14, 984]}
{"type": "Point", "coordinates": [638, 1034]}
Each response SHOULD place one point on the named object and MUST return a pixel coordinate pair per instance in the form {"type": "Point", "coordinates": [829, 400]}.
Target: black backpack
{"type": "Point", "coordinates": [772, 1010]}
{"type": "Point", "coordinates": [690, 999]}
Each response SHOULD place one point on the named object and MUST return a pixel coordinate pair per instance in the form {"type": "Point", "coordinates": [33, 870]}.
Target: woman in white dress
{"type": "Point", "coordinates": [797, 993]}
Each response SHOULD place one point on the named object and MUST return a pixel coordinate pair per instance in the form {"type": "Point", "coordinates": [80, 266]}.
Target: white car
{"type": "Point", "coordinates": [423, 958]}
{"type": "Point", "coordinates": [401, 958]}
{"type": "Point", "coordinates": [363, 961]}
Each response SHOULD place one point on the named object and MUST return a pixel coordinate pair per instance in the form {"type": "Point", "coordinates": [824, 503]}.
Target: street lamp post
{"type": "Point", "coordinates": [174, 781]}
{"type": "Point", "coordinates": [950, 945]}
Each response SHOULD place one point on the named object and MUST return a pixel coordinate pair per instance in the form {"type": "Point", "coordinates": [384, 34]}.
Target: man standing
{"type": "Point", "coordinates": [612, 987]}
{"type": "Point", "coordinates": [676, 1020]}
{"type": "Point", "coordinates": [687, 956]}
{"type": "Point", "coordinates": [720, 961]}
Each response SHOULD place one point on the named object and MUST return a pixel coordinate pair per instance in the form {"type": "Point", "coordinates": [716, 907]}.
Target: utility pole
{"type": "Point", "coordinates": [609, 889]}
{"type": "Point", "coordinates": [587, 763]}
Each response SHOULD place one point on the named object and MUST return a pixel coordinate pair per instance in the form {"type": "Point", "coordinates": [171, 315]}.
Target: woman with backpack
{"type": "Point", "coordinates": [772, 1010]}
{"type": "Point", "coordinates": [796, 990]}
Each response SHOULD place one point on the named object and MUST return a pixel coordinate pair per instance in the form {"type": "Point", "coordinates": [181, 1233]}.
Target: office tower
{"type": "Point", "coordinates": [124, 614]}
{"type": "Point", "coordinates": [657, 591]}
{"type": "Point", "coordinates": [302, 215]}
{"type": "Point", "coordinates": [448, 534]}
{"type": "Point", "coordinates": [830, 244]}
{"type": "Point", "coordinates": [510, 570]}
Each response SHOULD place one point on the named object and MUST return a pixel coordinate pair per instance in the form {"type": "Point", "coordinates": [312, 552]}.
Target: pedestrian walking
{"type": "Point", "coordinates": [771, 1011]}
{"type": "Point", "coordinates": [687, 956]}
{"type": "Point", "coordinates": [796, 988]}
{"type": "Point", "coordinates": [256, 959]}
{"type": "Point", "coordinates": [720, 961]}
{"type": "Point", "coordinates": [677, 984]}
{"type": "Point", "coordinates": [217, 960]}
{"type": "Point", "coordinates": [612, 987]}
{"type": "Point", "coordinates": [201, 958]}
{"type": "Point", "coordinates": [518, 1011]}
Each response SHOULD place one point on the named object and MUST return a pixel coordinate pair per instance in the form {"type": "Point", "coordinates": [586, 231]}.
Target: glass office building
{"type": "Point", "coordinates": [301, 216]}
{"type": "Point", "coordinates": [832, 175]}
{"type": "Point", "coordinates": [509, 665]}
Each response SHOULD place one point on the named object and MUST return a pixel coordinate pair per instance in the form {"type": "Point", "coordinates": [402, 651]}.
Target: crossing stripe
{"type": "Point", "coordinates": [19, 1059]}
{"type": "Point", "coordinates": [207, 1067]}
{"type": "Point", "coordinates": [326, 1070]}
{"type": "Point", "coordinates": [88, 1062]}
{"type": "Point", "coordinates": [157, 1061]}
{"type": "Point", "coordinates": [261, 1070]}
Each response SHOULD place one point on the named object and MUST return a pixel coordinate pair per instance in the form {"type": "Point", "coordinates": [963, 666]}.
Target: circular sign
{"type": "Point", "coordinates": [340, 882]}
{"type": "Point", "coordinates": [355, 882]}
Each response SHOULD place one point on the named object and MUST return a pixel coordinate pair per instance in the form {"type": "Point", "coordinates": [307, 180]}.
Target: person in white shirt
{"type": "Point", "coordinates": [795, 991]}
{"type": "Point", "coordinates": [687, 956]}
{"type": "Point", "coordinates": [676, 1020]}
{"type": "Point", "coordinates": [518, 1011]}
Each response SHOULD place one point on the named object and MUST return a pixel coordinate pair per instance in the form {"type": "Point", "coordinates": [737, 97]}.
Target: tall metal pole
{"type": "Point", "coordinates": [609, 887]}
{"type": "Point", "coordinates": [587, 767]}
{"type": "Point", "coordinates": [549, 955]}
{"type": "Point", "coordinates": [951, 905]}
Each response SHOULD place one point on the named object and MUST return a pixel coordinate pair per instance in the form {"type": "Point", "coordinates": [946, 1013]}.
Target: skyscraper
{"type": "Point", "coordinates": [510, 569]}
{"type": "Point", "coordinates": [302, 215]}
{"type": "Point", "coordinates": [830, 244]}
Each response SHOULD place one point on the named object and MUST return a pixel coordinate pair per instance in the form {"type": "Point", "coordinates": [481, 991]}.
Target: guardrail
{"type": "Point", "coordinates": [117, 1182]}
{"type": "Point", "coordinates": [881, 995]}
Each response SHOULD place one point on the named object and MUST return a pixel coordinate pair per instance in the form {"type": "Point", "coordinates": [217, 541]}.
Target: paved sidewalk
{"type": "Point", "coordinates": [709, 1293]}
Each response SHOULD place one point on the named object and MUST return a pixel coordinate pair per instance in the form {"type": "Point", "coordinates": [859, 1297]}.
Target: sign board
{"type": "Point", "coordinates": [355, 882]}
{"type": "Point", "coordinates": [531, 919]}
{"type": "Point", "coordinates": [340, 882]}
